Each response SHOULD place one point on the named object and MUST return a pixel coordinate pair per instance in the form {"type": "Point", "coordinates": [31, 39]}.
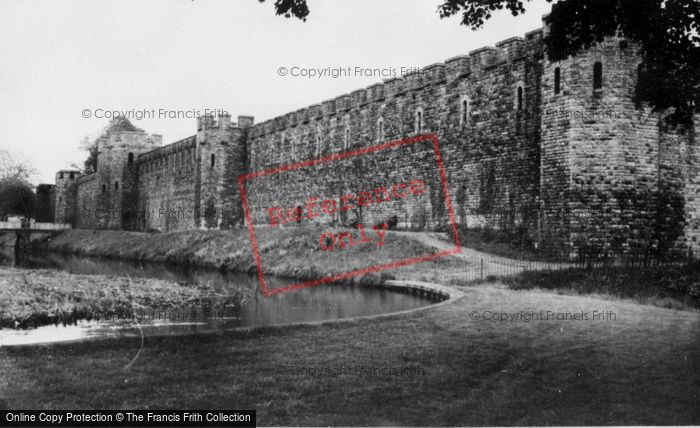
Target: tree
{"type": "Point", "coordinates": [16, 197]}
{"type": "Point", "coordinates": [90, 163]}
{"type": "Point", "coordinates": [668, 32]}
{"type": "Point", "coordinates": [15, 166]}
{"type": "Point", "coordinates": [118, 124]}
{"type": "Point", "coordinates": [16, 192]}
{"type": "Point", "coordinates": [289, 8]}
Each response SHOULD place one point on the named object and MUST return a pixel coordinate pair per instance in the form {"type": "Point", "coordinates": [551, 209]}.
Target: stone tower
{"type": "Point", "coordinates": [117, 177]}
{"type": "Point", "coordinates": [65, 196]}
{"type": "Point", "coordinates": [222, 156]}
{"type": "Point", "coordinates": [609, 169]}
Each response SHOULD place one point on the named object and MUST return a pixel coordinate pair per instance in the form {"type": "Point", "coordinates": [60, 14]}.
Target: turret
{"type": "Point", "coordinates": [65, 195]}
{"type": "Point", "coordinates": [117, 177]}
{"type": "Point", "coordinates": [221, 148]}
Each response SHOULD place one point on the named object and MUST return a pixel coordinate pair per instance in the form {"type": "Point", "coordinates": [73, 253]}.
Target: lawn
{"type": "Point", "coordinates": [639, 368]}
{"type": "Point", "coordinates": [673, 287]}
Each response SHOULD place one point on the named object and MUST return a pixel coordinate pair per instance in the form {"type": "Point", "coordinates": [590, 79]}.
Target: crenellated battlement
{"type": "Point", "coordinates": [519, 135]}
{"type": "Point", "coordinates": [511, 49]}
{"type": "Point", "coordinates": [479, 61]}
{"type": "Point", "coordinates": [458, 67]}
{"type": "Point", "coordinates": [87, 178]}
{"type": "Point", "coordinates": [189, 143]}
{"type": "Point", "coordinates": [222, 121]}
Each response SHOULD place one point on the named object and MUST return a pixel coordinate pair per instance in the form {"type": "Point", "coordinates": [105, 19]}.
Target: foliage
{"type": "Point", "coordinates": [667, 31]}
{"type": "Point", "coordinates": [89, 164]}
{"type": "Point", "coordinates": [16, 197]}
{"type": "Point", "coordinates": [667, 286]}
{"type": "Point", "coordinates": [210, 219]}
{"type": "Point", "coordinates": [118, 124]}
{"type": "Point", "coordinates": [15, 167]}
{"type": "Point", "coordinates": [289, 8]}
{"type": "Point", "coordinates": [656, 235]}
{"type": "Point", "coordinates": [476, 12]}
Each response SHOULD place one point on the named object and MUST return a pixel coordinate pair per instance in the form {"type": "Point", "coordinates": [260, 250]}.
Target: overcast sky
{"type": "Point", "coordinates": [58, 58]}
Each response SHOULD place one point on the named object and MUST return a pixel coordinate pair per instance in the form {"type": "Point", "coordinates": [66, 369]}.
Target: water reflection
{"type": "Point", "coordinates": [313, 304]}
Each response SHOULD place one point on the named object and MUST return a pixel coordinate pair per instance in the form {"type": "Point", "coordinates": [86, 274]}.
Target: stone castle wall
{"type": "Point", "coordinates": [168, 186]}
{"type": "Point", "coordinates": [108, 198]}
{"type": "Point", "coordinates": [613, 177]}
{"type": "Point", "coordinates": [489, 139]}
{"type": "Point", "coordinates": [526, 143]}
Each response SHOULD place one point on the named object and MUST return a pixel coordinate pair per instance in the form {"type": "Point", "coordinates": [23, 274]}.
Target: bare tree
{"type": "Point", "coordinates": [15, 166]}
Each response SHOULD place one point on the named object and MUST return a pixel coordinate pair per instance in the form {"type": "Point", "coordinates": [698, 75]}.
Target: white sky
{"type": "Point", "coordinates": [60, 57]}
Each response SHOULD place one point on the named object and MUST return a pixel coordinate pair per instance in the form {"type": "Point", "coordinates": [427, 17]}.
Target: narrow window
{"type": "Point", "coordinates": [131, 157]}
{"type": "Point", "coordinates": [520, 98]}
{"type": "Point", "coordinates": [598, 76]}
{"type": "Point", "coordinates": [464, 112]}
{"type": "Point", "coordinates": [116, 185]}
{"type": "Point", "coordinates": [71, 175]}
{"type": "Point", "coordinates": [280, 148]}
{"type": "Point", "coordinates": [419, 121]}
{"type": "Point", "coordinates": [380, 130]}
{"type": "Point", "coordinates": [60, 175]}
{"type": "Point", "coordinates": [346, 141]}
{"type": "Point", "coordinates": [557, 80]}
{"type": "Point", "coordinates": [638, 87]}
{"type": "Point", "coordinates": [212, 160]}
{"type": "Point", "coordinates": [104, 188]}
{"type": "Point", "coordinates": [319, 141]}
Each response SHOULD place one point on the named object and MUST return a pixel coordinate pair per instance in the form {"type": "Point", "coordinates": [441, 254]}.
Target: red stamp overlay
{"type": "Point", "coordinates": [355, 198]}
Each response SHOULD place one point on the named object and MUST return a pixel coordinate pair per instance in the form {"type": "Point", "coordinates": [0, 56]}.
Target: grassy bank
{"type": "Point", "coordinates": [293, 252]}
{"type": "Point", "coordinates": [288, 252]}
{"type": "Point", "coordinates": [673, 287]}
{"type": "Point", "coordinates": [638, 368]}
{"type": "Point", "coordinates": [33, 298]}
{"type": "Point", "coordinates": [500, 243]}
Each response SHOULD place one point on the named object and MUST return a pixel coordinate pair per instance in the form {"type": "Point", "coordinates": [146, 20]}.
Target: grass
{"type": "Point", "coordinates": [36, 298]}
{"type": "Point", "coordinates": [673, 287]}
{"type": "Point", "coordinates": [500, 243]}
{"type": "Point", "coordinates": [639, 369]}
{"type": "Point", "coordinates": [294, 252]}
{"type": "Point", "coordinates": [39, 297]}
{"type": "Point", "coordinates": [281, 250]}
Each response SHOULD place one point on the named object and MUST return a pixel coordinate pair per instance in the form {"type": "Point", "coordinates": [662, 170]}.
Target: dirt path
{"type": "Point", "coordinates": [479, 264]}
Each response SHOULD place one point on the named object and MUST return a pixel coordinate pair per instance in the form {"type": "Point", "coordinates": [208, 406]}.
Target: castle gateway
{"type": "Point", "coordinates": [559, 150]}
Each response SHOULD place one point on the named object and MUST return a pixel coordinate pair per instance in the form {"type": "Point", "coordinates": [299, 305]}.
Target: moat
{"type": "Point", "coordinates": [315, 304]}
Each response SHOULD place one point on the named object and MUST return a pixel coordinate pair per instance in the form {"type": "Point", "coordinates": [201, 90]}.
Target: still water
{"type": "Point", "coordinates": [320, 303]}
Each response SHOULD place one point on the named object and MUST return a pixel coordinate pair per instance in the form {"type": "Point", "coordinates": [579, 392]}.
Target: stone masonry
{"type": "Point", "coordinates": [558, 149]}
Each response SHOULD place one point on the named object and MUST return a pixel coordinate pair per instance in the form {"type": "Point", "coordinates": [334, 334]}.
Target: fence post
{"type": "Point", "coordinates": [482, 268]}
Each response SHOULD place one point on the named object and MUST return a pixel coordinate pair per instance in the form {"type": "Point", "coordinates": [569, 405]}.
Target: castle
{"type": "Point", "coordinates": [558, 149]}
